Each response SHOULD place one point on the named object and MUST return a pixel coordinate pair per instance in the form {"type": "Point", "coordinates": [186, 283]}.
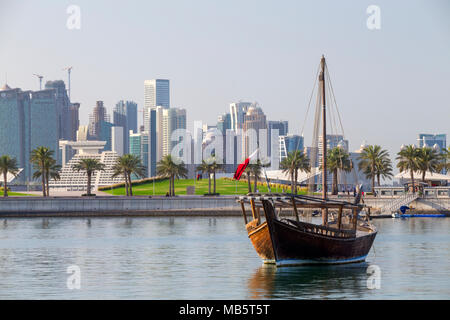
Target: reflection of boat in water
{"type": "Point", "coordinates": [333, 281]}
{"type": "Point", "coordinates": [344, 239]}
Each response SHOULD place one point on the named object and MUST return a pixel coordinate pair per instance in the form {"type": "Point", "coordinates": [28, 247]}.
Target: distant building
{"type": "Point", "coordinates": [333, 141]}
{"type": "Point", "coordinates": [117, 143]}
{"type": "Point", "coordinates": [172, 119]}
{"type": "Point", "coordinates": [98, 116]}
{"type": "Point", "coordinates": [62, 108]}
{"type": "Point", "coordinates": [290, 143]}
{"type": "Point", "coordinates": [149, 128]}
{"type": "Point", "coordinates": [105, 134]}
{"type": "Point", "coordinates": [237, 112]}
{"type": "Point", "coordinates": [74, 120]}
{"type": "Point", "coordinates": [139, 146]}
{"type": "Point", "coordinates": [432, 140]}
{"type": "Point", "coordinates": [157, 93]}
{"type": "Point", "coordinates": [72, 180]}
{"type": "Point", "coordinates": [27, 120]}
{"type": "Point", "coordinates": [125, 116]}
{"type": "Point", "coordinates": [254, 121]}
{"type": "Point", "coordinates": [281, 126]}
{"type": "Point", "coordinates": [224, 123]}
{"type": "Point", "coordinates": [83, 133]}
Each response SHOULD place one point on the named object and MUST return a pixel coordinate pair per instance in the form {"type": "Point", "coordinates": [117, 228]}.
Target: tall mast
{"type": "Point", "coordinates": [324, 139]}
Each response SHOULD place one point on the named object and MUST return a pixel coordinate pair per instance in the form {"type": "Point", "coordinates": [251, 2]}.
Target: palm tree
{"type": "Point", "coordinates": [51, 172]}
{"type": "Point", "coordinates": [428, 160]}
{"type": "Point", "coordinates": [337, 160]}
{"type": "Point", "coordinates": [41, 158]}
{"type": "Point", "coordinates": [127, 165]}
{"type": "Point", "coordinates": [256, 170]}
{"type": "Point", "coordinates": [7, 164]}
{"type": "Point", "coordinates": [295, 161]}
{"type": "Point", "coordinates": [408, 160]}
{"type": "Point", "coordinates": [445, 160]}
{"type": "Point", "coordinates": [210, 166]}
{"type": "Point", "coordinates": [384, 169]}
{"type": "Point", "coordinates": [375, 162]}
{"type": "Point", "coordinates": [168, 168]}
{"type": "Point", "coordinates": [90, 166]}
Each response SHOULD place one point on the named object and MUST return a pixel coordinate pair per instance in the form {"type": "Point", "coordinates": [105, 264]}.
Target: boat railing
{"type": "Point", "coordinates": [324, 230]}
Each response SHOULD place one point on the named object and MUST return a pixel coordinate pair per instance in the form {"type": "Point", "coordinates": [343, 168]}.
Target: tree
{"type": "Point", "coordinates": [428, 160]}
{"type": "Point", "coordinates": [41, 158]}
{"type": "Point", "coordinates": [375, 162]}
{"type": "Point", "coordinates": [168, 168]}
{"type": "Point", "coordinates": [51, 172]}
{"type": "Point", "coordinates": [295, 161]}
{"type": "Point", "coordinates": [127, 165]}
{"type": "Point", "coordinates": [409, 160]}
{"type": "Point", "coordinates": [444, 160]}
{"type": "Point", "coordinates": [256, 169]}
{"type": "Point", "coordinates": [90, 166]}
{"type": "Point", "coordinates": [7, 164]}
{"type": "Point", "coordinates": [337, 160]}
{"type": "Point", "coordinates": [210, 166]}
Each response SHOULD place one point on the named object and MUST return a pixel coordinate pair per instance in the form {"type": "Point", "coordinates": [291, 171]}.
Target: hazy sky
{"type": "Point", "coordinates": [390, 84]}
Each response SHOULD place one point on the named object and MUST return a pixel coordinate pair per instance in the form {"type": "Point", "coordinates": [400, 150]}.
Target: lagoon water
{"type": "Point", "coordinates": [208, 258]}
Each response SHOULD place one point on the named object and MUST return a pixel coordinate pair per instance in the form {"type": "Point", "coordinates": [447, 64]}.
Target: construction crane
{"type": "Point", "coordinates": [40, 80]}
{"type": "Point", "coordinates": [69, 69]}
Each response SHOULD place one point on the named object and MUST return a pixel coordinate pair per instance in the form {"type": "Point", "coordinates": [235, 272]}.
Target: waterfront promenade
{"type": "Point", "coordinates": [106, 205]}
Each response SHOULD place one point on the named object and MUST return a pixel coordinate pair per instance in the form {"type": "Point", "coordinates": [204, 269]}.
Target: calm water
{"type": "Point", "coordinates": [207, 258]}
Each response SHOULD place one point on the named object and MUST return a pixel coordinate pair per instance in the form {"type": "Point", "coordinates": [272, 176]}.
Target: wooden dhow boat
{"type": "Point", "coordinates": [286, 242]}
{"type": "Point", "coordinates": [342, 239]}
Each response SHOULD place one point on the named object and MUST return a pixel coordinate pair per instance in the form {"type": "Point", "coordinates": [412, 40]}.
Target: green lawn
{"type": "Point", "coordinates": [223, 186]}
{"type": "Point", "coordinates": [18, 194]}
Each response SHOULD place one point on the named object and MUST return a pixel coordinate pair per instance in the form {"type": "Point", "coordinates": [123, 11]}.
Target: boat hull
{"type": "Point", "coordinates": [260, 238]}
{"type": "Point", "coordinates": [292, 246]}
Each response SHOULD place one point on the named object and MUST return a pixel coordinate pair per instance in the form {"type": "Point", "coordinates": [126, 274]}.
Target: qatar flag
{"type": "Point", "coordinates": [241, 167]}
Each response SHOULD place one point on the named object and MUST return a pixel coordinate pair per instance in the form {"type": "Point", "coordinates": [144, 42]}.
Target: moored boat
{"type": "Point", "coordinates": [341, 238]}
{"type": "Point", "coordinates": [288, 242]}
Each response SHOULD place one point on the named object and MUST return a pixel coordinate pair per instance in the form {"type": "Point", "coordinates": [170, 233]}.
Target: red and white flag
{"type": "Point", "coordinates": [241, 167]}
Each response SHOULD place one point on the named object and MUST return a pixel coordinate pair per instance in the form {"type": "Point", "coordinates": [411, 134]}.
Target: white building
{"type": "Point", "coordinates": [72, 180]}
{"type": "Point", "coordinates": [117, 140]}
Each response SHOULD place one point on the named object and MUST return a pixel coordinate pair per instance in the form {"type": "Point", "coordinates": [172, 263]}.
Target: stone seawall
{"type": "Point", "coordinates": [114, 206]}
{"type": "Point", "coordinates": [163, 206]}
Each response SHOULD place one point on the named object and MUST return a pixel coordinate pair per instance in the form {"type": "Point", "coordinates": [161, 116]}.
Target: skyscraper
{"type": "Point", "coordinates": [254, 121]}
{"type": "Point", "coordinates": [125, 116]}
{"type": "Point", "coordinates": [281, 126]}
{"type": "Point", "coordinates": [62, 107]}
{"type": "Point", "coordinates": [139, 146]}
{"type": "Point", "coordinates": [224, 123]}
{"type": "Point", "coordinates": [95, 118]}
{"type": "Point", "coordinates": [237, 112]}
{"type": "Point", "coordinates": [157, 93]}
{"type": "Point", "coordinates": [27, 120]}
{"type": "Point", "coordinates": [290, 143]}
{"type": "Point", "coordinates": [74, 120]}
{"type": "Point", "coordinates": [150, 125]}
{"type": "Point", "coordinates": [172, 119]}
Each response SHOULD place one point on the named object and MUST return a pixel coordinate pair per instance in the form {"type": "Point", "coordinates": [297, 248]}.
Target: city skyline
{"type": "Point", "coordinates": [371, 81]}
